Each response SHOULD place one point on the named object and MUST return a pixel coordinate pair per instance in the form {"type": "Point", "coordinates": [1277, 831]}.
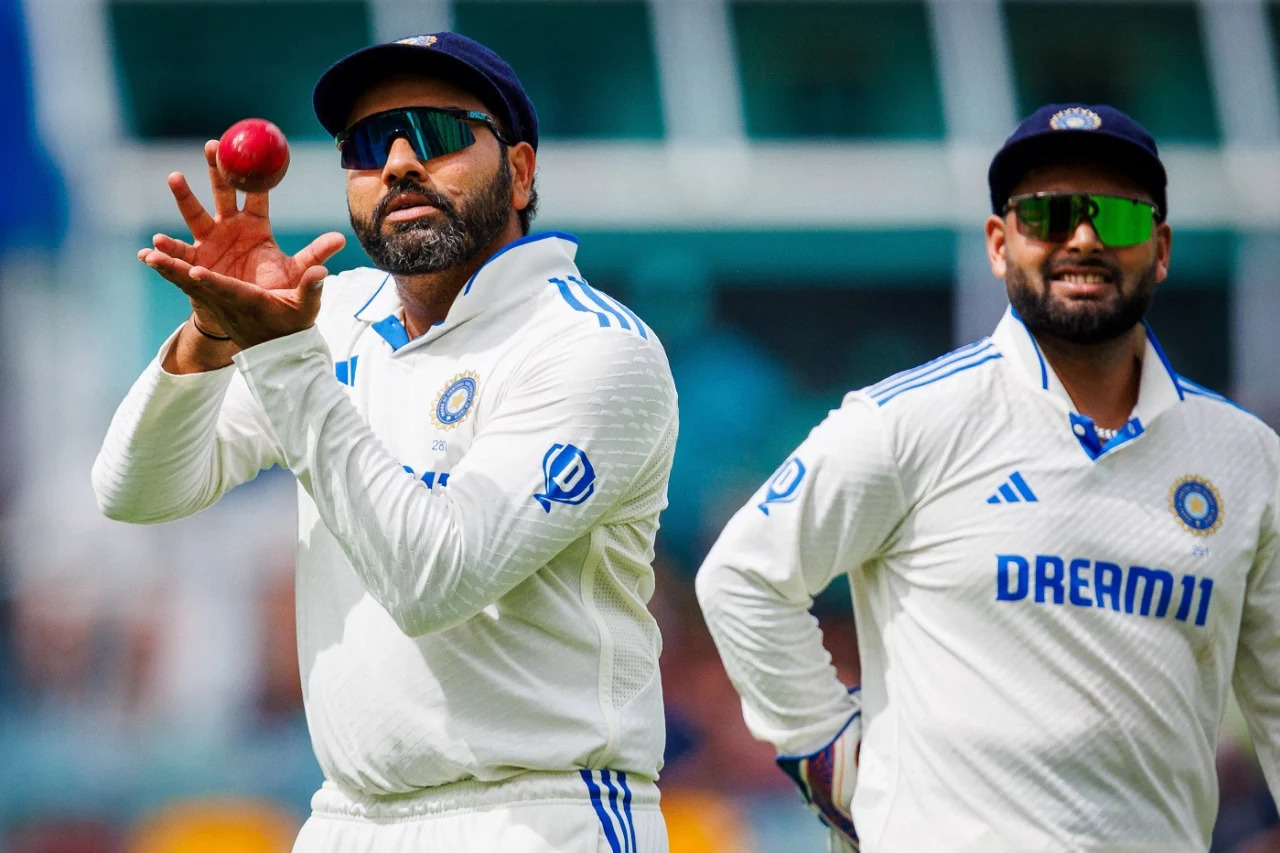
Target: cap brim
{"type": "Point", "coordinates": [338, 88]}
{"type": "Point", "coordinates": [1125, 156]}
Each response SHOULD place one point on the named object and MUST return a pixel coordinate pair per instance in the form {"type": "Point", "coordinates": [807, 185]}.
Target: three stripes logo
{"type": "Point", "coordinates": [611, 798]}
{"type": "Point", "coordinates": [1012, 491]}
{"type": "Point", "coordinates": [956, 361]}
{"type": "Point", "coordinates": [608, 311]}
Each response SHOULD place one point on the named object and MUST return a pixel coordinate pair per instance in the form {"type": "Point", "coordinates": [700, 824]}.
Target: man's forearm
{"type": "Point", "coordinates": [174, 447]}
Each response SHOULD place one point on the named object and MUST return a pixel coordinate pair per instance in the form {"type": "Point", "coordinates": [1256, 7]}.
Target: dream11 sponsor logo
{"type": "Point", "coordinates": [1056, 580]}
{"type": "Point", "coordinates": [567, 477]}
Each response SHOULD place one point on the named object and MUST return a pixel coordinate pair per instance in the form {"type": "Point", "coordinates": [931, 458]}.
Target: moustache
{"type": "Point", "coordinates": [410, 187]}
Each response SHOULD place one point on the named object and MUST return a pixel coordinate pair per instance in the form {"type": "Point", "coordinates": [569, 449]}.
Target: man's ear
{"type": "Point", "coordinates": [996, 245]}
{"type": "Point", "coordinates": [1164, 247]}
{"type": "Point", "coordinates": [523, 160]}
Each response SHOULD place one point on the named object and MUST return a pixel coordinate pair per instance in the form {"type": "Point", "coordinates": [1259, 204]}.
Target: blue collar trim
{"type": "Point", "coordinates": [1086, 433]}
{"type": "Point", "coordinates": [392, 331]}
{"type": "Point", "coordinates": [528, 238]}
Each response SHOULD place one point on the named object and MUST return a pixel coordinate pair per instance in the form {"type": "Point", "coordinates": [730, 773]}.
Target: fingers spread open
{"type": "Point", "coordinates": [224, 195]}
{"type": "Point", "coordinates": [257, 204]}
{"type": "Point", "coordinates": [321, 249]}
{"type": "Point", "coordinates": [174, 248]}
{"type": "Point", "coordinates": [193, 212]}
{"type": "Point", "coordinates": [171, 269]}
{"type": "Point", "coordinates": [224, 288]}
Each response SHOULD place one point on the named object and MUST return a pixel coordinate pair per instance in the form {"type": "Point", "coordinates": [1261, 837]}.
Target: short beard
{"type": "Point", "coordinates": [429, 245]}
{"type": "Point", "coordinates": [1080, 321]}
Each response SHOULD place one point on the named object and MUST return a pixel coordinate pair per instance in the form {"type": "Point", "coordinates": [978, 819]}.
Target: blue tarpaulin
{"type": "Point", "coordinates": [33, 200]}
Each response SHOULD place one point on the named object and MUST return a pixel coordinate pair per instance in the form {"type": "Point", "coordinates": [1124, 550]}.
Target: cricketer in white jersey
{"type": "Point", "coordinates": [1049, 621]}
{"type": "Point", "coordinates": [477, 512]}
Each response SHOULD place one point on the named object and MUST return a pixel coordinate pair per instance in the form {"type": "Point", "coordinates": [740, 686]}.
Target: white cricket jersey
{"type": "Point", "coordinates": [477, 512]}
{"type": "Point", "coordinates": [1048, 627]}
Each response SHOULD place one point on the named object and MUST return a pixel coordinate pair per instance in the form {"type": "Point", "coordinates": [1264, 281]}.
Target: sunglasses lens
{"type": "Point", "coordinates": [1122, 221]}
{"type": "Point", "coordinates": [1044, 217]}
{"type": "Point", "coordinates": [430, 133]}
{"type": "Point", "coordinates": [1119, 222]}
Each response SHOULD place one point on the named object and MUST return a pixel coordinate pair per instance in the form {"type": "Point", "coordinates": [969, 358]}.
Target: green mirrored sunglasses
{"type": "Point", "coordinates": [1119, 221]}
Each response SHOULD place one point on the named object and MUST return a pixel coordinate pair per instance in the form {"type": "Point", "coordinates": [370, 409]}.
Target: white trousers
{"type": "Point", "coordinates": [596, 811]}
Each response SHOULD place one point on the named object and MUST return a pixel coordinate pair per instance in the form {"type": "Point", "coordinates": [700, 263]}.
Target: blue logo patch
{"type": "Point", "coordinates": [567, 475]}
{"type": "Point", "coordinates": [455, 401]}
{"type": "Point", "coordinates": [1197, 505]}
{"type": "Point", "coordinates": [785, 485]}
{"type": "Point", "coordinates": [346, 370]}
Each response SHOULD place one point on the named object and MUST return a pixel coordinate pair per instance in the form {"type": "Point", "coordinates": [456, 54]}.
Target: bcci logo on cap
{"type": "Point", "coordinates": [567, 475]}
{"type": "Point", "coordinates": [1196, 504]}
{"type": "Point", "coordinates": [1075, 118]}
{"type": "Point", "coordinates": [419, 41]}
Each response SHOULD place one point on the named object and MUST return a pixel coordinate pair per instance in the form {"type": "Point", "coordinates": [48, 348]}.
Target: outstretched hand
{"type": "Point", "coordinates": [239, 281]}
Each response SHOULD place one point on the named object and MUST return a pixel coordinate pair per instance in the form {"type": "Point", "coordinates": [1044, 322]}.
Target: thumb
{"type": "Point", "coordinates": [309, 287]}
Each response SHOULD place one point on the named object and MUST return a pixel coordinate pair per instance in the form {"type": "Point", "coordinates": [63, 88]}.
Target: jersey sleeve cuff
{"type": "Point", "coordinates": [290, 348]}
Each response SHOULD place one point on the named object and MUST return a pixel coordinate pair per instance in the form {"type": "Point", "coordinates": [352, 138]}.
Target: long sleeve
{"type": "Point", "coordinates": [178, 443]}
{"type": "Point", "coordinates": [1257, 672]}
{"type": "Point", "coordinates": [827, 510]}
{"type": "Point", "coordinates": [579, 423]}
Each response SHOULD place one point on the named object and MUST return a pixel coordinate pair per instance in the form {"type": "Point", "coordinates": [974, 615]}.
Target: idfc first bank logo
{"type": "Point", "coordinates": [568, 477]}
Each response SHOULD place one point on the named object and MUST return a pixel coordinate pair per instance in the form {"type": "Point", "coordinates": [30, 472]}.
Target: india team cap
{"type": "Point", "coordinates": [1097, 132]}
{"type": "Point", "coordinates": [449, 56]}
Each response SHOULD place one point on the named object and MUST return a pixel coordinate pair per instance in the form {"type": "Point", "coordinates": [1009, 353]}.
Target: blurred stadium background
{"type": "Point", "coordinates": [791, 193]}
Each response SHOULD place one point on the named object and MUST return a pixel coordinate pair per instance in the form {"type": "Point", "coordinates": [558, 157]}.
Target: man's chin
{"type": "Point", "coordinates": [420, 225]}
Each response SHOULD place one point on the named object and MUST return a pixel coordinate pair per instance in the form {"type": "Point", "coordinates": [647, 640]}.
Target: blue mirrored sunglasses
{"type": "Point", "coordinates": [430, 131]}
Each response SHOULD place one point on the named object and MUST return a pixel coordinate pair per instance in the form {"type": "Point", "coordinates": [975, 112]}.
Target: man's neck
{"type": "Point", "coordinates": [1101, 379]}
{"type": "Point", "coordinates": [426, 299]}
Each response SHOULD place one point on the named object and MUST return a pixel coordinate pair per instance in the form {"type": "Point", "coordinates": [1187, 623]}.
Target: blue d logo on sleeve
{"type": "Point", "coordinates": [783, 488]}
{"type": "Point", "coordinates": [568, 477]}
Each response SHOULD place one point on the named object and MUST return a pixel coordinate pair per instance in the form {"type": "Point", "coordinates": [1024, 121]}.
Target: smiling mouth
{"type": "Point", "coordinates": [1083, 278]}
{"type": "Point", "coordinates": [1086, 283]}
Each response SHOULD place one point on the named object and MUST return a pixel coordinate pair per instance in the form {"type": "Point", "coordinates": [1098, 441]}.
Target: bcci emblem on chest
{"type": "Point", "coordinates": [1196, 504]}
{"type": "Point", "coordinates": [455, 401]}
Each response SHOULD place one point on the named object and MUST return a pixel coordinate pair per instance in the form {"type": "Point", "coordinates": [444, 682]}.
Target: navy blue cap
{"type": "Point", "coordinates": [1098, 133]}
{"type": "Point", "coordinates": [449, 56]}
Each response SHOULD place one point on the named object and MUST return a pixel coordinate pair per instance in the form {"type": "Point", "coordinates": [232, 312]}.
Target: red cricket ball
{"type": "Point", "coordinates": [253, 155]}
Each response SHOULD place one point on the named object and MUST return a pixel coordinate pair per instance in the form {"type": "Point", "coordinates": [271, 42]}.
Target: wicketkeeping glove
{"type": "Point", "coordinates": [827, 778]}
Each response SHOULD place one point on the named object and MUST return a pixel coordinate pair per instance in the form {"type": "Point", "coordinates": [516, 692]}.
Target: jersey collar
{"type": "Point", "coordinates": [513, 273]}
{"type": "Point", "coordinates": [1158, 387]}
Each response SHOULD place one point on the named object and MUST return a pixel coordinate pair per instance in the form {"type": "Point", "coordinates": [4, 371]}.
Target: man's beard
{"type": "Point", "coordinates": [440, 241]}
{"type": "Point", "coordinates": [1080, 321]}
